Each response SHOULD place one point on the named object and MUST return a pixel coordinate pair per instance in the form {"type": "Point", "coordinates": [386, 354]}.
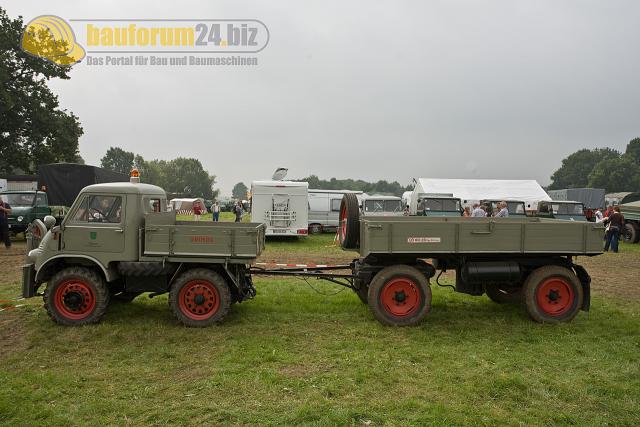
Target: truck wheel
{"type": "Point", "coordinates": [632, 233]}
{"type": "Point", "coordinates": [200, 297]}
{"type": "Point", "coordinates": [315, 229]}
{"type": "Point", "coordinates": [349, 227]}
{"type": "Point", "coordinates": [553, 294]}
{"type": "Point", "coordinates": [503, 294]}
{"type": "Point", "coordinates": [399, 296]}
{"type": "Point", "coordinates": [76, 296]}
{"type": "Point", "coordinates": [362, 291]}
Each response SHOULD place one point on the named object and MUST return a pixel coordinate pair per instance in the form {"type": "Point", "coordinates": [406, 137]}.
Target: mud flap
{"type": "Point", "coordinates": [585, 279]}
{"type": "Point", "coordinates": [28, 281]}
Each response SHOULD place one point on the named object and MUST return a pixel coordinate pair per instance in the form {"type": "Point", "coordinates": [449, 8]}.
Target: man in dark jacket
{"type": "Point", "coordinates": [5, 210]}
{"type": "Point", "coordinates": [238, 212]}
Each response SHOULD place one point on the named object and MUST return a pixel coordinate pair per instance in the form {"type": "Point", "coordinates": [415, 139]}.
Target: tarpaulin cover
{"type": "Point", "coordinates": [590, 197]}
{"type": "Point", "coordinates": [64, 181]}
{"type": "Point", "coordinates": [473, 190]}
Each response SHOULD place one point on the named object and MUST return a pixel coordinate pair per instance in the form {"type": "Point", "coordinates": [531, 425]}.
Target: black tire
{"type": "Point", "coordinates": [503, 294]}
{"type": "Point", "coordinates": [349, 226]}
{"type": "Point", "coordinates": [362, 291]}
{"type": "Point", "coordinates": [631, 233]}
{"type": "Point", "coordinates": [315, 229]}
{"type": "Point", "coordinates": [200, 297]}
{"type": "Point", "coordinates": [411, 299]}
{"type": "Point", "coordinates": [553, 294]}
{"type": "Point", "coordinates": [76, 296]}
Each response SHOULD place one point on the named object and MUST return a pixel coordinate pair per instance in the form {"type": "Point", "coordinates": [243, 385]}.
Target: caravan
{"type": "Point", "coordinates": [324, 209]}
{"type": "Point", "coordinates": [282, 205]}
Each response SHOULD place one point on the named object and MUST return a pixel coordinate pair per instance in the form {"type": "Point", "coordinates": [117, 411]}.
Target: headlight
{"type": "Point", "coordinates": [20, 219]}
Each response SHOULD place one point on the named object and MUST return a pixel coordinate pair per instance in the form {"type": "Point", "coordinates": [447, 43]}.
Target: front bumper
{"type": "Point", "coordinates": [17, 227]}
{"type": "Point", "coordinates": [28, 281]}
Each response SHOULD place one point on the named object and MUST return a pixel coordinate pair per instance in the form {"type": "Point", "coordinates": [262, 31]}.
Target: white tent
{"type": "Point", "coordinates": [474, 190]}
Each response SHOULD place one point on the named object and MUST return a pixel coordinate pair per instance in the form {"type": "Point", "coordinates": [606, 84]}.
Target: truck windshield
{"type": "Point", "coordinates": [442, 205]}
{"type": "Point", "coordinates": [18, 199]}
{"type": "Point", "coordinates": [568, 209]}
{"type": "Point", "coordinates": [383, 206]}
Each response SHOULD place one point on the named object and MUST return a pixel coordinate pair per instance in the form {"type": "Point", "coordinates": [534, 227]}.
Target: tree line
{"type": "Point", "coordinates": [600, 168]}
{"type": "Point", "coordinates": [379, 187]}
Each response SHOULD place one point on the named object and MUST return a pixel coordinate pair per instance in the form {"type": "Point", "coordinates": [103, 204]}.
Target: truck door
{"type": "Point", "coordinates": [96, 224]}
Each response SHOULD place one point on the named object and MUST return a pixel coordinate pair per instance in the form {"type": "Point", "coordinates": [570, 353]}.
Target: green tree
{"type": "Point", "coordinates": [616, 174]}
{"type": "Point", "coordinates": [188, 177]}
{"type": "Point", "coordinates": [633, 150]}
{"type": "Point", "coordinates": [118, 160]}
{"type": "Point", "coordinates": [390, 188]}
{"type": "Point", "coordinates": [239, 191]}
{"type": "Point", "coordinates": [33, 129]}
{"type": "Point", "coordinates": [575, 169]}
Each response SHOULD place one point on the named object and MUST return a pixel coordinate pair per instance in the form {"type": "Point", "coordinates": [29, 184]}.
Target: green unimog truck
{"type": "Point", "coordinates": [509, 259]}
{"type": "Point", "coordinates": [119, 241]}
{"type": "Point", "coordinates": [631, 212]}
{"type": "Point", "coordinates": [26, 207]}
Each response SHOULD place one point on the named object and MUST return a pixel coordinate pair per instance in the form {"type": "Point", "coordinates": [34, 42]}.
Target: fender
{"type": "Point", "coordinates": [109, 274]}
{"type": "Point", "coordinates": [585, 280]}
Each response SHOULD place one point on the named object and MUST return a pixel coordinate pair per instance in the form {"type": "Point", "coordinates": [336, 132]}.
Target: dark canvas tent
{"type": "Point", "coordinates": [590, 197]}
{"type": "Point", "coordinates": [63, 181]}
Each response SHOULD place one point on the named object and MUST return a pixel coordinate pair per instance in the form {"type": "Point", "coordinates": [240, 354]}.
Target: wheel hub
{"type": "Point", "coordinates": [199, 299]}
{"type": "Point", "coordinates": [401, 297]}
{"type": "Point", "coordinates": [74, 300]}
{"type": "Point", "coordinates": [555, 296]}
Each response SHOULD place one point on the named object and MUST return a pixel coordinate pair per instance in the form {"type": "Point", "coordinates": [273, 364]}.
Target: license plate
{"type": "Point", "coordinates": [279, 231]}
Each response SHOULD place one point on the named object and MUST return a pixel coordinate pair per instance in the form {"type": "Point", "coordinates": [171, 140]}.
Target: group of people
{"type": "Point", "coordinates": [614, 225]}
{"type": "Point", "coordinates": [481, 211]}
{"type": "Point", "coordinates": [199, 209]}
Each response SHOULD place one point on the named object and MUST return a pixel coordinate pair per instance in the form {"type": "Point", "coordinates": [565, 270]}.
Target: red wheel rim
{"type": "Point", "coordinates": [199, 299]}
{"type": "Point", "coordinates": [401, 297]}
{"type": "Point", "coordinates": [343, 223]}
{"type": "Point", "coordinates": [74, 299]}
{"type": "Point", "coordinates": [555, 296]}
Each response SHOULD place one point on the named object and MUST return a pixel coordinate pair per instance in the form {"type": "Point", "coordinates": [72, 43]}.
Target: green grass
{"type": "Point", "coordinates": [293, 356]}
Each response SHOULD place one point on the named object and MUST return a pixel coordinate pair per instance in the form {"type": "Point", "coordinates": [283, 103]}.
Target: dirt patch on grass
{"type": "Point", "coordinates": [12, 338]}
{"type": "Point", "coordinates": [615, 275]}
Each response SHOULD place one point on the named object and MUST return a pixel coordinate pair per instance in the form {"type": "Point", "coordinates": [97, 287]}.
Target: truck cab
{"type": "Point", "coordinates": [562, 209]}
{"type": "Point", "coordinates": [26, 206]}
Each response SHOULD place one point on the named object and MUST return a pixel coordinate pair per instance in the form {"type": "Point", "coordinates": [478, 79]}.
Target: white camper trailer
{"type": "Point", "coordinates": [282, 205]}
{"type": "Point", "coordinates": [471, 191]}
{"type": "Point", "coordinates": [324, 209]}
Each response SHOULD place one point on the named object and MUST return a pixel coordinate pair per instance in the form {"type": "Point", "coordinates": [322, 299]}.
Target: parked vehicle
{"type": "Point", "coordinates": [324, 209]}
{"type": "Point", "coordinates": [382, 206]}
{"type": "Point", "coordinates": [631, 213]}
{"type": "Point", "coordinates": [119, 241]}
{"type": "Point", "coordinates": [508, 259]}
{"type": "Point", "coordinates": [283, 206]}
{"type": "Point", "coordinates": [428, 205]}
{"type": "Point", "coordinates": [26, 206]}
{"type": "Point", "coordinates": [589, 197]}
{"type": "Point", "coordinates": [515, 207]}
{"type": "Point", "coordinates": [562, 209]}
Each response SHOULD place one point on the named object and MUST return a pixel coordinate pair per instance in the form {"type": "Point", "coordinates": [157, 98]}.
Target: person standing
{"type": "Point", "coordinates": [503, 212]}
{"type": "Point", "coordinates": [466, 212]}
{"type": "Point", "coordinates": [616, 222]}
{"type": "Point", "coordinates": [478, 212]}
{"type": "Point", "coordinates": [238, 210]}
{"type": "Point", "coordinates": [598, 215]}
{"type": "Point", "coordinates": [5, 210]}
{"type": "Point", "coordinates": [197, 210]}
{"type": "Point", "coordinates": [215, 211]}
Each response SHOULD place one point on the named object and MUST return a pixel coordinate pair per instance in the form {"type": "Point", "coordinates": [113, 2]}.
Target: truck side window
{"type": "Point", "coordinates": [335, 205]}
{"type": "Point", "coordinates": [41, 200]}
{"type": "Point", "coordinates": [152, 205]}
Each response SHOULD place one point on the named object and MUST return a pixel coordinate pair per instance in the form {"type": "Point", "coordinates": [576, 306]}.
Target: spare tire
{"type": "Point", "coordinates": [349, 227]}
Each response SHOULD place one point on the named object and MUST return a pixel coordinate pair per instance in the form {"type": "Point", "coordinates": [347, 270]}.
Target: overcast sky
{"type": "Point", "coordinates": [372, 90]}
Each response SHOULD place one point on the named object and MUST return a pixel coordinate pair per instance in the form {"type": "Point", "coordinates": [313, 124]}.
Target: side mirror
{"type": "Point", "coordinates": [49, 221]}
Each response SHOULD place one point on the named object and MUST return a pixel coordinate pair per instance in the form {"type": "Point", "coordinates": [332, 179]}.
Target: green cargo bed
{"type": "Point", "coordinates": [424, 236]}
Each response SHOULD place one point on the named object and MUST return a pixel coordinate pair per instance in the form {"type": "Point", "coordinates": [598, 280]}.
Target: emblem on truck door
{"type": "Point", "coordinates": [423, 240]}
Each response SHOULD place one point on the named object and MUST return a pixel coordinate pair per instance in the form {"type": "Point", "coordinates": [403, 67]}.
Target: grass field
{"type": "Point", "coordinates": [295, 356]}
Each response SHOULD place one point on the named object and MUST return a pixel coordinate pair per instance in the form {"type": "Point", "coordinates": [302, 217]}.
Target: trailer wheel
{"type": "Point", "coordinates": [399, 296]}
{"type": "Point", "coordinates": [200, 297]}
{"type": "Point", "coordinates": [632, 233]}
{"type": "Point", "coordinates": [349, 227]}
{"type": "Point", "coordinates": [553, 294]}
{"type": "Point", "coordinates": [503, 294]}
{"type": "Point", "coordinates": [315, 229]}
{"type": "Point", "coordinates": [76, 296]}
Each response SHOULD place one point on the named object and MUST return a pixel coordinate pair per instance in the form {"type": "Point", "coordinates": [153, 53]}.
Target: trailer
{"type": "Point", "coordinates": [631, 213]}
{"type": "Point", "coordinates": [283, 206]}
